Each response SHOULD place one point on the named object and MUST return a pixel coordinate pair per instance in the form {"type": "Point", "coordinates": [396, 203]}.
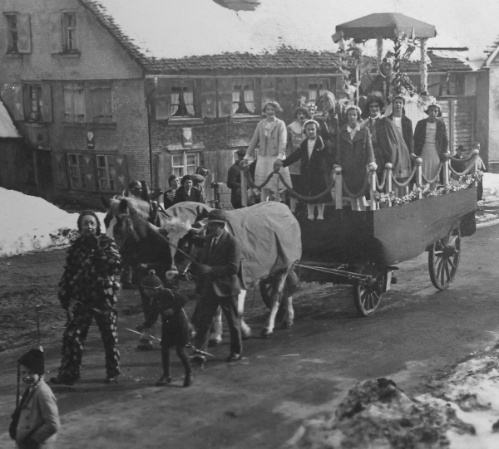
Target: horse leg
{"type": "Point", "coordinates": [275, 297]}
{"type": "Point", "coordinates": [216, 329]}
{"type": "Point", "coordinates": [245, 329]}
{"type": "Point", "coordinates": [291, 285]}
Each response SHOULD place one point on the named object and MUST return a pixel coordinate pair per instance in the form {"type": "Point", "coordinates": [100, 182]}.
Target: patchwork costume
{"type": "Point", "coordinates": [88, 290]}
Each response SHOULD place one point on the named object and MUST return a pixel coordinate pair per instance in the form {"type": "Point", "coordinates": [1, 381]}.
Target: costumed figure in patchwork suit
{"type": "Point", "coordinates": [87, 290]}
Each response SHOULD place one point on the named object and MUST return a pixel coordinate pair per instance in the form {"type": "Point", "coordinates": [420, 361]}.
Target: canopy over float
{"type": "Point", "coordinates": [393, 26]}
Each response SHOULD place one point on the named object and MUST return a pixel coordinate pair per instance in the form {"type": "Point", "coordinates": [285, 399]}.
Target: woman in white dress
{"type": "Point", "coordinates": [431, 141]}
{"type": "Point", "coordinates": [270, 137]}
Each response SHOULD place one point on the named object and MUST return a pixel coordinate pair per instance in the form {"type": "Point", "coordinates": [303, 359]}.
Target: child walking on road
{"type": "Point", "coordinates": [175, 328]}
{"type": "Point", "coordinates": [36, 419]}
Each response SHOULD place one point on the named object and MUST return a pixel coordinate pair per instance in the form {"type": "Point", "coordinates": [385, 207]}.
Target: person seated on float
{"type": "Point", "coordinates": [187, 192]}
{"type": "Point", "coordinates": [314, 168]}
{"type": "Point", "coordinates": [355, 155]}
{"type": "Point", "coordinates": [388, 143]}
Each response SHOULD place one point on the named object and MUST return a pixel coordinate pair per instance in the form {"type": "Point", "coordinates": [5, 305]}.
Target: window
{"type": "Point", "coordinates": [12, 33]}
{"type": "Point", "coordinates": [243, 97]}
{"type": "Point", "coordinates": [185, 163]}
{"type": "Point", "coordinates": [316, 88]}
{"type": "Point", "coordinates": [76, 169]}
{"type": "Point", "coordinates": [74, 103]}
{"type": "Point", "coordinates": [35, 103]}
{"type": "Point", "coordinates": [69, 32]}
{"type": "Point", "coordinates": [106, 173]}
{"type": "Point", "coordinates": [100, 103]}
{"type": "Point", "coordinates": [18, 33]}
{"type": "Point", "coordinates": [182, 99]}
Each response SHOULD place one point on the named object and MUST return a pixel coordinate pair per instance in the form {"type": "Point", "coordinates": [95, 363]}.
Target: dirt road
{"type": "Point", "coordinates": [259, 402]}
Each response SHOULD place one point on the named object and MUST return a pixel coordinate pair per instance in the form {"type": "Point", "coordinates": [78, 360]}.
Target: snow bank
{"type": "Point", "coordinates": [461, 412]}
{"type": "Point", "coordinates": [30, 223]}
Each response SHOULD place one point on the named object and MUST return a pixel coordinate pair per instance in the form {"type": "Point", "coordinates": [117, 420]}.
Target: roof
{"type": "Point", "coordinates": [386, 25]}
{"type": "Point", "coordinates": [203, 36]}
{"type": "Point", "coordinates": [7, 127]}
{"type": "Point", "coordinates": [492, 53]}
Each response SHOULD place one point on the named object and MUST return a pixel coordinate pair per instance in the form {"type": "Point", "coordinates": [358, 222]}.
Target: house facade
{"type": "Point", "coordinates": [103, 112]}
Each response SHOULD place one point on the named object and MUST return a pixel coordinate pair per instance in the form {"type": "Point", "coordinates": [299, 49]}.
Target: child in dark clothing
{"type": "Point", "coordinates": [175, 328]}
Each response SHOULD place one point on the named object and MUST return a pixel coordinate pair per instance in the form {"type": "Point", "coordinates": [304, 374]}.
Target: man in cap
{"type": "Point", "coordinates": [218, 285]}
{"type": "Point", "coordinates": [234, 179]}
{"type": "Point", "coordinates": [37, 414]}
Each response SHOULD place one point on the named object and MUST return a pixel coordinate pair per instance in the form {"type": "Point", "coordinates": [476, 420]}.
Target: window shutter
{"type": "Point", "coordinates": [286, 96]}
{"type": "Point", "coordinates": [55, 33]}
{"type": "Point", "coordinates": [268, 90]}
{"type": "Point", "coordinates": [60, 170]}
{"type": "Point", "coordinates": [18, 102]}
{"type": "Point", "coordinates": [302, 86]}
{"type": "Point", "coordinates": [46, 102]}
{"type": "Point", "coordinates": [164, 170]}
{"type": "Point", "coordinates": [89, 172]}
{"type": "Point", "coordinates": [121, 165]}
{"type": "Point", "coordinates": [26, 101]}
{"type": "Point", "coordinates": [209, 97]}
{"type": "Point", "coordinates": [24, 33]}
{"type": "Point", "coordinates": [100, 108]}
{"type": "Point", "coordinates": [225, 97]}
{"type": "Point", "coordinates": [162, 99]}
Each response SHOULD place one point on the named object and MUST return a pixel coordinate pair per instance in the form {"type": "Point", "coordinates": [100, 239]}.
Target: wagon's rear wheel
{"type": "Point", "coordinates": [443, 259]}
{"type": "Point", "coordinates": [367, 295]}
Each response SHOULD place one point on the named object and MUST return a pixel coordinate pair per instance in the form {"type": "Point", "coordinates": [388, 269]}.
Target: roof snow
{"type": "Point", "coordinates": [7, 128]}
{"type": "Point", "coordinates": [181, 28]}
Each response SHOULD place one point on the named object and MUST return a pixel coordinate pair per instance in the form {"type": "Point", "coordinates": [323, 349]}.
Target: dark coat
{"type": "Point", "coordinates": [169, 198]}
{"type": "Point", "coordinates": [406, 132]}
{"type": "Point", "coordinates": [441, 138]}
{"type": "Point", "coordinates": [234, 183]}
{"type": "Point", "coordinates": [390, 147]}
{"type": "Point", "coordinates": [175, 328]}
{"type": "Point", "coordinates": [314, 172]}
{"type": "Point", "coordinates": [181, 195]}
{"type": "Point", "coordinates": [353, 156]}
{"type": "Point", "coordinates": [225, 261]}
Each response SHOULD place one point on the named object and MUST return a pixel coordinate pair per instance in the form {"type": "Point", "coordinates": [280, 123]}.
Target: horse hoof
{"type": "Point", "coordinates": [266, 333]}
{"type": "Point", "coordinates": [286, 325]}
{"type": "Point", "coordinates": [213, 343]}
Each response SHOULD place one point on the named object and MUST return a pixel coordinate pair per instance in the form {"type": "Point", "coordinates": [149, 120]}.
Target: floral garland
{"type": "Point", "coordinates": [385, 199]}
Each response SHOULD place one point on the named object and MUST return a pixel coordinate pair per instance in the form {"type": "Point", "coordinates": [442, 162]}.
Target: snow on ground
{"type": "Point", "coordinates": [30, 223]}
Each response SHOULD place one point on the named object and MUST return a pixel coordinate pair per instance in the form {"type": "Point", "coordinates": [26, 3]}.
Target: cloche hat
{"type": "Point", "coordinates": [34, 361]}
{"type": "Point", "coordinates": [151, 280]}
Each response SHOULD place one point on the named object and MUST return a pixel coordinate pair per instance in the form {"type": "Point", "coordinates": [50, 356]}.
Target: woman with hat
{"type": "Point", "coordinates": [87, 291]}
{"type": "Point", "coordinates": [296, 135]}
{"type": "Point", "coordinates": [270, 137]}
{"type": "Point", "coordinates": [37, 414]}
{"type": "Point", "coordinates": [402, 122]}
{"type": "Point", "coordinates": [430, 140]}
{"type": "Point", "coordinates": [175, 326]}
{"type": "Point", "coordinates": [388, 144]}
{"type": "Point", "coordinates": [314, 168]}
{"type": "Point", "coordinates": [355, 155]}
{"type": "Point", "coordinates": [187, 192]}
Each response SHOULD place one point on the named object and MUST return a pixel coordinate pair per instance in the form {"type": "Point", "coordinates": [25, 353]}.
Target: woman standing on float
{"type": "Point", "coordinates": [270, 137]}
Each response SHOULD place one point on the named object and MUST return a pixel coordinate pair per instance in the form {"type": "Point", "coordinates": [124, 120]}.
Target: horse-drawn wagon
{"type": "Point", "coordinates": [361, 247]}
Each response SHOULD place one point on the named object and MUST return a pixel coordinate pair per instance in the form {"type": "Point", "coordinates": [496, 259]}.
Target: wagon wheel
{"type": "Point", "coordinates": [367, 295]}
{"type": "Point", "coordinates": [443, 259]}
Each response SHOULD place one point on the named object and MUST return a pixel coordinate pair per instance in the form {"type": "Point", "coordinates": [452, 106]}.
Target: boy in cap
{"type": "Point", "coordinates": [37, 413]}
{"type": "Point", "coordinates": [175, 328]}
